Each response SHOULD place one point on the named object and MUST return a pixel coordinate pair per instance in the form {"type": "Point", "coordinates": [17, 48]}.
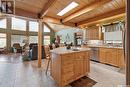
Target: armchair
{"type": "Point", "coordinates": [17, 47]}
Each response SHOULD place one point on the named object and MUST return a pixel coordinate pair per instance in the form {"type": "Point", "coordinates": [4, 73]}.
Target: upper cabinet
{"type": "Point", "coordinates": [94, 33]}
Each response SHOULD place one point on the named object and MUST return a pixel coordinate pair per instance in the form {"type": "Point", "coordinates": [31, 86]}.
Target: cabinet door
{"type": "Point", "coordinates": [79, 65]}
{"type": "Point", "coordinates": [67, 68]}
{"type": "Point", "coordinates": [86, 63]}
{"type": "Point", "coordinates": [97, 34]}
{"type": "Point", "coordinates": [112, 57]}
{"type": "Point", "coordinates": [102, 55]}
{"type": "Point", "coordinates": [121, 59]}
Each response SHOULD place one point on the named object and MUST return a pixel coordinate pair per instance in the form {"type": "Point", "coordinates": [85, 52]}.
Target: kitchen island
{"type": "Point", "coordinates": [69, 65]}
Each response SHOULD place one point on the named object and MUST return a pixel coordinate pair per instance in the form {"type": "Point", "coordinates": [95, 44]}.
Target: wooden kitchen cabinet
{"type": "Point", "coordinates": [70, 66]}
{"type": "Point", "coordinates": [112, 56]}
{"type": "Point", "coordinates": [102, 55]}
{"type": "Point", "coordinates": [81, 64]}
{"type": "Point", "coordinates": [94, 34]}
{"type": "Point", "coordinates": [121, 62]}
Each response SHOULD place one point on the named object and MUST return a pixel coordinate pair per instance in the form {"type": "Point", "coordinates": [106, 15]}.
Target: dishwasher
{"type": "Point", "coordinates": [94, 54]}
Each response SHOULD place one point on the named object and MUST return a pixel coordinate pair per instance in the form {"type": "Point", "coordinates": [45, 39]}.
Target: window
{"type": "Point", "coordinates": [17, 39]}
{"type": "Point", "coordinates": [33, 26]}
{"type": "Point", "coordinates": [2, 40]}
{"type": "Point", "coordinates": [33, 39]}
{"type": "Point", "coordinates": [2, 23]}
{"type": "Point", "coordinates": [46, 40]}
{"type": "Point", "coordinates": [46, 29]}
{"type": "Point", "coordinates": [18, 24]}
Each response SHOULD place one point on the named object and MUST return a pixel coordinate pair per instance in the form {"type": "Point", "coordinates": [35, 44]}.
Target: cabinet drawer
{"type": "Point", "coordinates": [67, 68]}
{"type": "Point", "coordinates": [67, 62]}
{"type": "Point", "coordinates": [80, 56]}
{"type": "Point", "coordinates": [67, 78]}
{"type": "Point", "coordinates": [67, 57]}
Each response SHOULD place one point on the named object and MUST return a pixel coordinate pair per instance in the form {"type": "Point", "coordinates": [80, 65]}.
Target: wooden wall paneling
{"type": "Point", "coordinates": [128, 44]}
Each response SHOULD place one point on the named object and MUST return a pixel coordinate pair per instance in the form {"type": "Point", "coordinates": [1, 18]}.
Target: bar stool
{"type": "Point", "coordinates": [48, 57]}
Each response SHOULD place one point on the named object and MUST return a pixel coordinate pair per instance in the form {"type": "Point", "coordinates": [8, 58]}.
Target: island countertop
{"type": "Point", "coordinates": [63, 50]}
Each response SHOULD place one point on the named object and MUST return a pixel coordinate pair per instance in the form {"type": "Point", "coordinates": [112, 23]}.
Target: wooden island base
{"type": "Point", "coordinates": [68, 66]}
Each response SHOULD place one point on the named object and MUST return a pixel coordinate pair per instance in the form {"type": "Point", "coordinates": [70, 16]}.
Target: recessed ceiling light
{"type": "Point", "coordinates": [71, 6]}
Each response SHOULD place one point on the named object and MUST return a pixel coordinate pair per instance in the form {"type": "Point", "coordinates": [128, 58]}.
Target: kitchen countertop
{"type": "Point", "coordinates": [104, 46]}
{"type": "Point", "coordinates": [63, 50]}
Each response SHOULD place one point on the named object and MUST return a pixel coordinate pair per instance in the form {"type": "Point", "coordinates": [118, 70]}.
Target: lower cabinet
{"type": "Point", "coordinates": [102, 55]}
{"type": "Point", "coordinates": [69, 67]}
{"type": "Point", "coordinates": [81, 64]}
{"type": "Point", "coordinates": [112, 56]}
{"type": "Point", "coordinates": [121, 59]}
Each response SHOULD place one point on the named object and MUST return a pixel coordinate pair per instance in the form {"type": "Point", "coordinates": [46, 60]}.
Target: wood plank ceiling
{"type": "Point", "coordinates": [77, 15]}
{"type": "Point", "coordinates": [61, 4]}
{"type": "Point", "coordinates": [34, 6]}
{"type": "Point", "coordinates": [115, 4]}
{"type": "Point", "coordinates": [111, 5]}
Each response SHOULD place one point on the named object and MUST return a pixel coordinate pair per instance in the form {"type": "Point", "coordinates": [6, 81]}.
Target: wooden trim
{"type": "Point", "coordinates": [46, 8]}
{"type": "Point", "coordinates": [40, 41]}
{"type": "Point", "coordinates": [128, 44]}
{"type": "Point", "coordinates": [86, 9]}
{"type": "Point", "coordinates": [111, 14]}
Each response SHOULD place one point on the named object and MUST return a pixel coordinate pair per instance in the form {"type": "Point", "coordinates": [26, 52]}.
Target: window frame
{"type": "Point", "coordinates": [5, 27]}
{"type": "Point", "coordinates": [44, 39]}
{"type": "Point", "coordinates": [19, 29]}
{"type": "Point", "coordinates": [30, 27]}
{"type": "Point", "coordinates": [5, 39]}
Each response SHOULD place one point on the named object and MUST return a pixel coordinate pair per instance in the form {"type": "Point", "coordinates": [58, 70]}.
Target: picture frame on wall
{"type": "Point", "coordinates": [7, 7]}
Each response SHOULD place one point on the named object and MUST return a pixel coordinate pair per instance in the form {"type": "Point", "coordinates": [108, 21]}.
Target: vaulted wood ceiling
{"type": "Point", "coordinates": [34, 6]}
{"type": "Point", "coordinates": [87, 11]}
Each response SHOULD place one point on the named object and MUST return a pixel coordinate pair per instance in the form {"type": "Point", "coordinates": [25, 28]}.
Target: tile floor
{"type": "Point", "coordinates": [15, 73]}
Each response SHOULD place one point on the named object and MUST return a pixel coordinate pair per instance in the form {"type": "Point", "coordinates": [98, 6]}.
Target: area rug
{"type": "Point", "coordinates": [83, 82]}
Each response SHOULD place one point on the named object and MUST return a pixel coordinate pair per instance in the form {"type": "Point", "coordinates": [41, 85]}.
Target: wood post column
{"type": "Point", "coordinates": [128, 44]}
{"type": "Point", "coordinates": [27, 30]}
{"type": "Point", "coordinates": [40, 43]}
{"type": "Point", "coordinates": [8, 34]}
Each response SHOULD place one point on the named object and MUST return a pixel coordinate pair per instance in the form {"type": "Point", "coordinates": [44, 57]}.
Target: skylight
{"type": "Point", "coordinates": [71, 6]}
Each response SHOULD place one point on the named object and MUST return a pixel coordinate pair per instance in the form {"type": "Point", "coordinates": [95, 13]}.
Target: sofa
{"type": "Point", "coordinates": [33, 52]}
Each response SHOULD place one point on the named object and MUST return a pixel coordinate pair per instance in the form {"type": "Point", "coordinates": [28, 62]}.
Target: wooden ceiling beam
{"type": "Point", "coordinates": [104, 16]}
{"type": "Point", "coordinates": [48, 19]}
{"type": "Point", "coordinates": [86, 9]}
{"type": "Point", "coordinates": [46, 8]}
